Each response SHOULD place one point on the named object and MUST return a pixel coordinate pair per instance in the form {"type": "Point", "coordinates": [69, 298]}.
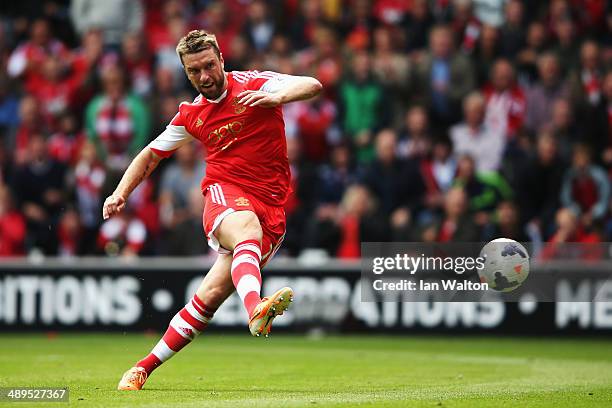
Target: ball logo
{"type": "Point", "coordinates": [512, 249]}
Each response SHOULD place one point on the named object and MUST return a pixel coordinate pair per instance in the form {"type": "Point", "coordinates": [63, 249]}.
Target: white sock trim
{"type": "Point", "coordinates": [247, 284]}
{"type": "Point", "coordinates": [195, 314]}
{"type": "Point", "coordinates": [244, 258]}
{"type": "Point", "coordinates": [162, 351]}
{"type": "Point", "coordinates": [248, 247]}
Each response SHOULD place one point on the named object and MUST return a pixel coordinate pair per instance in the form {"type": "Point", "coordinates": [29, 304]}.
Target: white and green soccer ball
{"type": "Point", "coordinates": [506, 264]}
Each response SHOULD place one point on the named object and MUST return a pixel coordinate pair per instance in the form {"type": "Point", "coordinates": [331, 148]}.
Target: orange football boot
{"type": "Point", "coordinates": [133, 379]}
{"type": "Point", "coordinates": [270, 307]}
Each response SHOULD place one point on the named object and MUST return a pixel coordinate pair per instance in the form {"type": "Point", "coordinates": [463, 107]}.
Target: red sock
{"type": "Point", "coordinates": [184, 327]}
{"type": "Point", "coordinates": [245, 273]}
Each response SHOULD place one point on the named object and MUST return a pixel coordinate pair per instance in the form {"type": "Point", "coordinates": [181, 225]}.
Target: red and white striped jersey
{"type": "Point", "coordinates": [245, 146]}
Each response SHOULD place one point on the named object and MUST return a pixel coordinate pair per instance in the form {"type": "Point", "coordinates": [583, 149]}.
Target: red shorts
{"type": "Point", "coordinates": [222, 199]}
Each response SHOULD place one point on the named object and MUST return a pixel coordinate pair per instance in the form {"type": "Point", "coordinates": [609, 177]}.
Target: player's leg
{"type": "Point", "coordinates": [190, 321]}
{"type": "Point", "coordinates": [242, 233]}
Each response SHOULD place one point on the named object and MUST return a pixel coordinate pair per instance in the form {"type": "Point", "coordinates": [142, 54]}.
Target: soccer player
{"type": "Point", "coordinates": [238, 117]}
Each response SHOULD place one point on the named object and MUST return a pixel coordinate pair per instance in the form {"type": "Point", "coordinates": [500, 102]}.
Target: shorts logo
{"type": "Point", "coordinates": [242, 202]}
{"type": "Point", "coordinates": [238, 109]}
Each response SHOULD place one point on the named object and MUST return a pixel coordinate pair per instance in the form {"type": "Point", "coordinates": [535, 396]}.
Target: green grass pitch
{"type": "Point", "coordinates": [296, 371]}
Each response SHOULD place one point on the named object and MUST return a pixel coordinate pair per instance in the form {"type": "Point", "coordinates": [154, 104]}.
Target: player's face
{"type": "Point", "coordinates": [205, 72]}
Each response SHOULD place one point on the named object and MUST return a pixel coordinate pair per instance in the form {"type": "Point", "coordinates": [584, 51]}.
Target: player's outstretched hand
{"type": "Point", "coordinates": [259, 98]}
{"type": "Point", "coordinates": [112, 206]}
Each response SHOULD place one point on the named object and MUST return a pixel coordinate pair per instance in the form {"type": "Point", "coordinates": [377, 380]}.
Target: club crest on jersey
{"type": "Point", "coordinates": [241, 202]}
{"type": "Point", "coordinates": [238, 108]}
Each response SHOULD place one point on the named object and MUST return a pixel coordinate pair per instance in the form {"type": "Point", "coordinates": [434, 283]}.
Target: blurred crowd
{"type": "Point", "coordinates": [440, 120]}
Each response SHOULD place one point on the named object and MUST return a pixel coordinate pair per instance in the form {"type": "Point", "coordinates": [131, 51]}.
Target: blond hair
{"type": "Point", "coordinates": [196, 41]}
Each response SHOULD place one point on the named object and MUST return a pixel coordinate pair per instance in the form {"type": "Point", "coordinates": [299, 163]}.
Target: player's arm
{"type": "Point", "coordinates": [280, 89]}
{"type": "Point", "coordinates": [145, 162]}
{"type": "Point", "coordinates": [140, 168]}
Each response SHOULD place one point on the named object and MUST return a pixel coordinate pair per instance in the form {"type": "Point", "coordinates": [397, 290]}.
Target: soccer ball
{"type": "Point", "coordinates": [506, 264]}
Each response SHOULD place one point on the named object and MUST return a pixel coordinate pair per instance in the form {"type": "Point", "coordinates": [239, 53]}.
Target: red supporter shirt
{"type": "Point", "coordinates": [245, 146]}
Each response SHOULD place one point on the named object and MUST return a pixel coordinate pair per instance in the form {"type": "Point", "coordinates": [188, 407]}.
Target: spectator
{"type": "Point", "coordinates": [323, 58]}
{"type": "Point", "coordinates": [65, 144]}
{"type": "Point", "coordinates": [438, 174]}
{"type": "Point", "coordinates": [137, 62]}
{"type": "Point", "coordinates": [302, 200]}
{"type": "Point", "coordinates": [474, 137]}
{"type": "Point", "coordinates": [442, 77]}
{"type": "Point", "coordinates": [362, 102]}
{"type": "Point", "coordinates": [586, 187]}
{"type": "Point", "coordinates": [341, 230]}
{"type": "Point", "coordinates": [337, 175]}
{"type": "Point", "coordinates": [316, 123]}
{"type": "Point", "coordinates": [512, 32]}
{"type": "Point", "coordinates": [358, 24]}
{"type": "Point", "coordinates": [465, 25]}
{"type": "Point", "coordinates": [391, 69]}
{"type": "Point", "coordinates": [259, 28]}
{"type": "Point", "coordinates": [417, 24]}
{"type": "Point", "coordinates": [454, 226]}
{"type": "Point", "coordinates": [219, 19]}
{"type": "Point", "coordinates": [178, 179]}
{"type": "Point", "coordinates": [116, 121]}
{"type": "Point", "coordinates": [540, 184]}
{"type": "Point", "coordinates": [27, 60]}
{"type": "Point", "coordinates": [485, 190]}
{"type": "Point", "coordinates": [562, 127]}
{"type": "Point", "coordinates": [393, 182]}
{"type": "Point", "coordinates": [569, 229]}
{"type": "Point", "coordinates": [88, 177]}
{"type": "Point", "coordinates": [486, 53]}
{"type": "Point", "coordinates": [505, 100]}
{"type": "Point", "coordinates": [543, 94]}
{"type": "Point", "coordinates": [305, 23]}
{"type": "Point", "coordinates": [187, 237]}
{"type": "Point", "coordinates": [123, 235]}
{"type": "Point", "coordinates": [39, 189]}
{"type": "Point", "coordinates": [86, 61]}
{"type": "Point", "coordinates": [9, 108]}
{"type": "Point", "coordinates": [114, 17]}
{"type": "Point", "coordinates": [69, 234]}
{"type": "Point", "coordinates": [12, 226]}
{"type": "Point", "coordinates": [489, 12]}
{"type": "Point", "coordinates": [54, 89]}
{"type": "Point", "coordinates": [160, 18]}
{"type": "Point", "coordinates": [165, 53]}
{"type": "Point", "coordinates": [506, 223]}
{"type": "Point", "coordinates": [358, 222]}
{"type": "Point", "coordinates": [415, 140]}
{"type": "Point", "coordinates": [30, 123]}
{"type": "Point", "coordinates": [536, 43]}
{"type": "Point", "coordinates": [566, 48]}
{"type": "Point", "coordinates": [598, 123]}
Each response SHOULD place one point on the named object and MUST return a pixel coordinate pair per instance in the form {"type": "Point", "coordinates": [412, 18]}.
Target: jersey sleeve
{"type": "Point", "coordinates": [269, 81]}
{"type": "Point", "coordinates": [172, 138]}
